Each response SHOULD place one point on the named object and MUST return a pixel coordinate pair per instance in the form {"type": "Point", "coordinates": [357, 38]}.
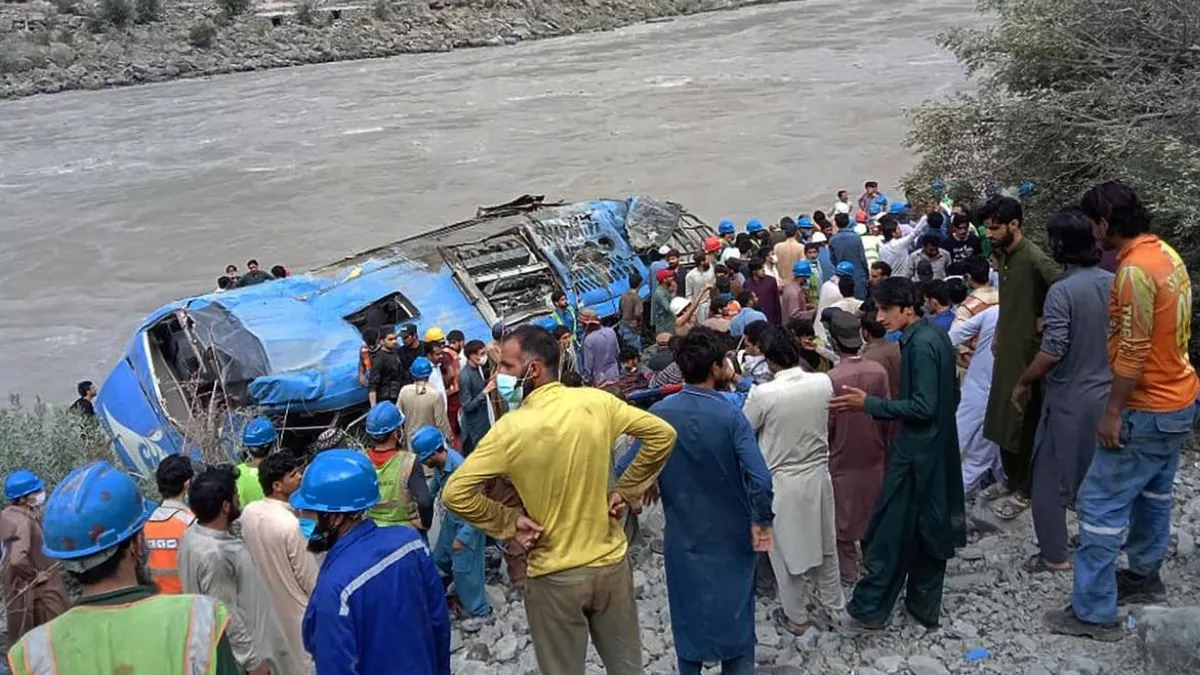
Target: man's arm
{"type": "Point", "coordinates": [1056, 336]}
{"type": "Point", "coordinates": [440, 419]}
{"type": "Point", "coordinates": [331, 638]}
{"type": "Point", "coordinates": [303, 563]}
{"type": "Point", "coordinates": [755, 474]}
{"type": "Point", "coordinates": [1136, 293]}
{"type": "Point", "coordinates": [923, 403]}
{"type": "Point", "coordinates": [373, 380]}
{"type": "Point", "coordinates": [439, 615]}
{"type": "Point", "coordinates": [463, 492]}
{"type": "Point", "coordinates": [962, 333]}
{"type": "Point", "coordinates": [420, 492]}
{"type": "Point", "coordinates": [657, 439]}
{"type": "Point", "coordinates": [471, 396]}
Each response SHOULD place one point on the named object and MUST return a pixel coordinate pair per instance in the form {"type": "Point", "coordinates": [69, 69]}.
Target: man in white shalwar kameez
{"type": "Point", "coordinates": [271, 531]}
{"type": "Point", "coordinates": [790, 415]}
{"type": "Point", "coordinates": [979, 455]}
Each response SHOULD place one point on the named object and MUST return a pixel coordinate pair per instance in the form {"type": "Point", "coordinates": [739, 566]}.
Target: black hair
{"type": "Point", "coordinates": [1120, 206]}
{"type": "Point", "coordinates": [960, 220]}
{"type": "Point", "coordinates": [755, 265]}
{"type": "Point", "coordinates": [697, 353]}
{"type": "Point", "coordinates": [846, 286]}
{"type": "Point", "coordinates": [279, 272]}
{"type": "Point", "coordinates": [455, 336]}
{"type": "Point", "coordinates": [628, 352]}
{"type": "Point", "coordinates": [957, 290]}
{"type": "Point", "coordinates": [802, 328]}
{"type": "Point", "coordinates": [870, 184]}
{"type": "Point", "coordinates": [274, 468]}
{"type": "Point", "coordinates": [717, 303]}
{"type": "Point", "coordinates": [843, 192]}
{"type": "Point", "coordinates": [251, 261]}
{"type": "Point", "coordinates": [841, 220]}
{"type": "Point", "coordinates": [869, 321]}
{"type": "Point", "coordinates": [1002, 210]}
{"type": "Point", "coordinates": [571, 379]}
{"type": "Point", "coordinates": [888, 225]}
{"type": "Point", "coordinates": [1071, 238]}
{"type": "Point", "coordinates": [537, 343]}
{"type": "Point", "coordinates": [934, 219]}
{"type": "Point", "coordinates": [370, 336]}
{"type": "Point", "coordinates": [812, 246]}
{"type": "Point", "coordinates": [745, 298]}
{"type": "Point", "coordinates": [557, 295]}
{"type": "Point", "coordinates": [210, 489]}
{"type": "Point", "coordinates": [884, 268]}
{"type": "Point", "coordinates": [742, 242]}
{"type": "Point", "coordinates": [473, 347]}
{"type": "Point", "coordinates": [754, 332]}
{"type": "Point", "coordinates": [820, 218]}
{"type": "Point", "coordinates": [785, 221]}
{"type": "Point", "coordinates": [431, 346]}
{"type": "Point", "coordinates": [171, 475]}
{"type": "Point", "coordinates": [84, 387]}
{"type": "Point", "coordinates": [104, 570]}
{"type": "Point", "coordinates": [230, 269]}
{"type": "Point", "coordinates": [224, 283]}
{"type": "Point", "coordinates": [978, 270]}
{"type": "Point", "coordinates": [936, 290]}
{"type": "Point", "coordinates": [635, 279]}
{"type": "Point", "coordinates": [931, 238]}
{"type": "Point", "coordinates": [781, 347]}
{"type": "Point", "coordinates": [896, 292]}
{"type": "Point", "coordinates": [560, 331]}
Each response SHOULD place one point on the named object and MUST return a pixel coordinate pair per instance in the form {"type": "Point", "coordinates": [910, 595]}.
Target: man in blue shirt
{"type": "Point", "coordinates": [938, 307]}
{"type": "Point", "coordinates": [847, 246]}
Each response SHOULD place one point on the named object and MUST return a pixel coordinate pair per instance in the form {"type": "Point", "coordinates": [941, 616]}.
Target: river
{"type": "Point", "coordinates": [114, 202]}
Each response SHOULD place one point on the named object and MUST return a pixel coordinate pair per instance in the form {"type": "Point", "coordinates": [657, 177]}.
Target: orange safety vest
{"type": "Point", "coordinates": [163, 532]}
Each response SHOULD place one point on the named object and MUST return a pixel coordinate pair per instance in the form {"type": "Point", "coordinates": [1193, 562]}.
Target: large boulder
{"type": "Point", "coordinates": [1169, 638]}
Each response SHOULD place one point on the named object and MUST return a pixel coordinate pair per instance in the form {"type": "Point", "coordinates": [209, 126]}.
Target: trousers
{"type": "Point", "coordinates": [742, 665]}
{"type": "Point", "coordinates": [465, 564]}
{"type": "Point", "coordinates": [1126, 497]}
{"type": "Point", "coordinates": [795, 589]}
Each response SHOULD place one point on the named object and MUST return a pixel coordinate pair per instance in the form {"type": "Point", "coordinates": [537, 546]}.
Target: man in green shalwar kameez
{"type": "Point", "coordinates": [1026, 273]}
{"type": "Point", "coordinates": [919, 518]}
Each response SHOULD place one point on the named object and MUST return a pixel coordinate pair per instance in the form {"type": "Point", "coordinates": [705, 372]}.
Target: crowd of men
{"type": "Point", "coordinates": [254, 275]}
{"type": "Point", "coordinates": [826, 399]}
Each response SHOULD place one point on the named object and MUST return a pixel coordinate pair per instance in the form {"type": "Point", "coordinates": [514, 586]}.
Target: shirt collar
{"type": "Point", "coordinates": [543, 393]}
{"type": "Point", "coordinates": [1140, 240]}
{"type": "Point", "coordinates": [174, 504]}
{"type": "Point", "coordinates": [908, 331]}
{"type": "Point", "coordinates": [702, 391]}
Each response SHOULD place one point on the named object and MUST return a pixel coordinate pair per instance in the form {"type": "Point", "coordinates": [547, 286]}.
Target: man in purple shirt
{"type": "Point", "coordinates": [766, 289]}
{"type": "Point", "coordinates": [600, 350]}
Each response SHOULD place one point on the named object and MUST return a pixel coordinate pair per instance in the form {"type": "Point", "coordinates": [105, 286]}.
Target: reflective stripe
{"type": "Point", "coordinates": [200, 636]}
{"type": "Point", "coordinates": [374, 571]}
{"type": "Point", "coordinates": [1156, 496]}
{"type": "Point", "coordinates": [39, 652]}
{"type": "Point", "coordinates": [1105, 531]}
{"type": "Point", "coordinates": [158, 572]}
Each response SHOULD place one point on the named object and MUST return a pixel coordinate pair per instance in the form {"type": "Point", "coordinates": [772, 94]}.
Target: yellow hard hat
{"type": "Point", "coordinates": [435, 334]}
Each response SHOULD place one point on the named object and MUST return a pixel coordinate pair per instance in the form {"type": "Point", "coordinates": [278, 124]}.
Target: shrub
{"type": "Point", "coordinates": [147, 11]}
{"type": "Point", "coordinates": [65, 6]}
{"type": "Point", "coordinates": [232, 8]}
{"type": "Point", "coordinates": [202, 34]}
{"type": "Point", "coordinates": [382, 9]}
{"type": "Point", "coordinates": [118, 13]}
{"type": "Point", "coordinates": [49, 442]}
{"type": "Point", "coordinates": [306, 13]}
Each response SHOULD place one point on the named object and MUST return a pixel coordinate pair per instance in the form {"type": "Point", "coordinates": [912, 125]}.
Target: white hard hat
{"type": "Point", "coordinates": [841, 207]}
{"type": "Point", "coordinates": [664, 249]}
{"type": "Point", "coordinates": [818, 238]}
{"type": "Point", "coordinates": [678, 305]}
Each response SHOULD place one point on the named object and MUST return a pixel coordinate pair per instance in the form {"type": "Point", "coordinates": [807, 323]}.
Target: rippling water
{"type": "Point", "coordinates": [115, 202]}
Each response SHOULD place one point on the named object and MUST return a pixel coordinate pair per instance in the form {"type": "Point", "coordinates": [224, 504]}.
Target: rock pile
{"type": "Point", "coordinates": [991, 621]}
{"type": "Point", "coordinates": [44, 49]}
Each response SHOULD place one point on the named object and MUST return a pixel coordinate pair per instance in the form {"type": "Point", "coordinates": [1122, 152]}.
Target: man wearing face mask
{"type": "Point", "coordinates": [30, 581]}
{"type": "Point", "coordinates": [110, 626]}
{"type": "Point", "coordinates": [580, 580]}
{"type": "Point", "coordinates": [379, 607]}
{"type": "Point", "coordinates": [214, 562]}
{"type": "Point", "coordinates": [474, 387]}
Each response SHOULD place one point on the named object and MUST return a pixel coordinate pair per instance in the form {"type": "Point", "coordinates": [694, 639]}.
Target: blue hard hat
{"type": "Point", "coordinates": [804, 222]}
{"type": "Point", "coordinates": [426, 441]}
{"type": "Point", "coordinates": [844, 269]}
{"type": "Point", "coordinates": [802, 268]}
{"type": "Point", "coordinates": [384, 418]}
{"type": "Point", "coordinates": [898, 208]}
{"type": "Point", "coordinates": [755, 225]}
{"type": "Point", "coordinates": [991, 190]}
{"type": "Point", "coordinates": [94, 508]}
{"type": "Point", "coordinates": [337, 481]}
{"type": "Point", "coordinates": [1025, 189]}
{"type": "Point", "coordinates": [421, 368]}
{"type": "Point", "coordinates": [726, 227]}
{"type": "Point", "coordinates": [938, 187]}
{"type": "Point", "coordinates": [20, 483]}
{"type": "Point", "coordinates": [259, 432]}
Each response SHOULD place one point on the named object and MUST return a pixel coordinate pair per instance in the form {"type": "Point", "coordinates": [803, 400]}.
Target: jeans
{"type": "Point", "coordinates": [742, 665]}
{"type": "Point", "coordinates": [1125, 502]}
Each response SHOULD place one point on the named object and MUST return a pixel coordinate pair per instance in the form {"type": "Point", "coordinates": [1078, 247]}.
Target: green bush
{"type": "Point", "coordinates": [232, 8]}
{"type": "Point", "coordinates": [147, 11]}
{"type": "Point", "coordinates": [65, 6]}
{"type": "Point", "coordinates": [49, 442]}
{"type": "Point", "coordinates": [201, 35]}
{"type": "Point", "coordinates": [382, 9]}
{"type": "Point", "coordinates": [306, 13]}
{"type": "Point", "coordinates": [118, 13]}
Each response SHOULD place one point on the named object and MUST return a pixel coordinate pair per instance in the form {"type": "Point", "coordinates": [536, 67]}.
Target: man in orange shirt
{"type": "Point", "coordinates": [1125, 499]}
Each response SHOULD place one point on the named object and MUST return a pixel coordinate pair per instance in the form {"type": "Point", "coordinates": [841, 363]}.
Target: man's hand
{"type": "Point", "coordinates": [457, 545]}
{"type": "Point", "coordinates": [1109, 431]}
{"type": "Point", "coordinates": [1020, 394]}
{"type": "Point", "coordinates": [761, 538]}
{"type": "Point", "coordinates": [528, 532]}
{"type": "Point", "coordinates": [491, 386]}
{"type": "Point", "coordinates": [617, 505]}
{"type": "Point", "coordinates": [851, 399]}
{"type": "Point", "coordinates": [651, 496]}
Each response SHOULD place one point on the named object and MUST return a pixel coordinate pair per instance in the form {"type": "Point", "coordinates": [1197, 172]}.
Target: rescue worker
{"type": "Point", "coordinates": [165, 528]}
{"type": "Point", "coordinates": [401, 489]}
{"type": "Point", "coordinates": [259, 437]}
{"type": "Point", "coordinates": [421, 402]}
{"type": "Point", "coordinates": [379, 607]}
{"type": "Point", "coordinates": [32, 584]}
{"type": "Point", "coordinates": [108, 629]}
{"type": "Point", "coordinates": [459, 549]}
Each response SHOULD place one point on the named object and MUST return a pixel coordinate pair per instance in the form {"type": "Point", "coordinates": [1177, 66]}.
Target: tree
{"type": "Point", "coordinates": [1069, 93]}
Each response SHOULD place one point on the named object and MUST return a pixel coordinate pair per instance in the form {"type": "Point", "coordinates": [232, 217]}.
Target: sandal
{"type": "Point", "coordinates": [797, 629]}
{"type": "Point", "coordinates": [995, 491]}
{"type": "Point", "coordinates": [1010, 509]}
{"type": "Point", "coordinates": [1036, 564]}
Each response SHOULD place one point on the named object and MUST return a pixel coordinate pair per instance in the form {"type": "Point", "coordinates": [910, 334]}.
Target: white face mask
{"type": "Point", "coordinates": [39, 498]}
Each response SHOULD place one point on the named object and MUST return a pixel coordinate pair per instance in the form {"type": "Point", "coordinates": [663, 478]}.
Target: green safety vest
{"type": "Point", "coordinates": [163, 634]}
{"type": "Point", "coordinates": [248, 487]}
{"type": "Point", "coordinates": [393, 491]}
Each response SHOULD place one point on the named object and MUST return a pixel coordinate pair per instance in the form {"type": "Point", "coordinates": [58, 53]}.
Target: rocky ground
{"type": "Point", "coordinates": [46, 47]}
{"type": "Point", "coordinates": [990, 604]}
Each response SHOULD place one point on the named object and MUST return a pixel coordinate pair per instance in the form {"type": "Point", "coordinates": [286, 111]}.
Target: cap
{"type": "Point", "coordinates": [712, 245]}
{"type": "Point", "coordinates": [818, 238]}
{"type": "Point", "coordinates": [663, 275]}
{"type": "Point", "coordinates": [409, 329]}
{"type": "Point", "coordinates": [802, 268]}
{"type": "Point", "coordinates": [845, 328]}
{"type": "Point", "coordinates": [664, 249]}
{"type": "Point", "coordinates": [678, 305]}
{"type": "Point", "coordinates": [844, 269]}
{"type": "Point", "coordinates": [588, 316]}
{"type": "Point", "coordinates": [804, 222]}
{"type": "Point", "coordinates": [861, 216]}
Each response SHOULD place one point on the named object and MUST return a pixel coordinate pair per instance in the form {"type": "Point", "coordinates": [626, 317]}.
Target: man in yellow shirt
{"type": "Point", "coordinates": [555, 445]}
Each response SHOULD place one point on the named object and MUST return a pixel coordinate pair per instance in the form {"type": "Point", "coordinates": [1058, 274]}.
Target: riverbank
{"type": "Point", "coordinates": [48, 47]}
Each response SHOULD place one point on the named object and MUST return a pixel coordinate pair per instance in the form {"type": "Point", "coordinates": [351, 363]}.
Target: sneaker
{"type": "Point", "coordinates": [846, 623]}
{"type": "Point", "coordinates": [1067, 622]}
{"type": "Point", "coordinates": [1139, 589]}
